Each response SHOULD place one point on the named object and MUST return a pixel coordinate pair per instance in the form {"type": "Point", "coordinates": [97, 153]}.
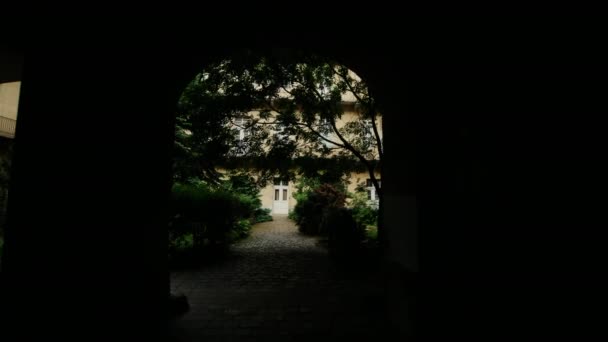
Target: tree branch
{"type": "Point", "coordinates": [371, 113]}
{"type": "Point", "coordinates": [377, 135]}
{"type": "Point", "coordinates": [345, 144]}
{"type": "Point", "coordinates": [348, 146]}
{"type": "Point", "coordinates": [310, 129]}
{"type": "Point", "coordinates": [287, 91]}
{"type": "Point", "coordinates": [350, 87]}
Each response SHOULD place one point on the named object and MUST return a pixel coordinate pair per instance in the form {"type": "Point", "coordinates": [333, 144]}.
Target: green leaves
{"type": "Point", "coordinates": [294, 97]}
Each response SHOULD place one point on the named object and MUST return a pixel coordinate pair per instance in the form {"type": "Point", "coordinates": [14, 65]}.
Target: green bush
{"type": "Point", "coordinates": [344, 233]}
{"type": "Point", "coordinates": [242, 184]}
{"type": "Point", "coordinates": [362, 212]}
{"type": "Point", "coordinates": [205, 213]}
{"type": "Point", "coordinates": [371, 233]}
{"type": "Point", "coordinates": [181, 243]}
{"type": "Point", "coordinates": [305, 186]}
{"type": "Point", "coordinates": [244, 205]}
{"type": "Point", "coordinates": [321, 210]}
{"type": "Point", "coordinates": [240, 230]}
{"type": "Point", "coordinates": [206, 218]}
{"type": "Point", "coordinates": [245, 188]}
{"type": "Point", "coordinates": [308, 211]}
{"type": "Point", "coordinates": [262, 215]}
{"type": "Point", "coordinates": [292, 215]}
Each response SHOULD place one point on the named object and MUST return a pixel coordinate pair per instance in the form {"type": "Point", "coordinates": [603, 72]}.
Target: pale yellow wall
{"type": "Point", "coordinates": [292, 200]}
{"type": "Point", "coordinates": [356, 178]}
{"type": "Point", "coordinates": [350, 116]}
{"type": "Point", "coordinates": [347, 96]}
{"type": "Point", "coordinates": [267, 196]}
{"type": "Point", "coordinates": [267, 193]}
{"type": "Point", "coordinates": [9, 99]}
{"type": "Point", "coordinates": [347, 116]}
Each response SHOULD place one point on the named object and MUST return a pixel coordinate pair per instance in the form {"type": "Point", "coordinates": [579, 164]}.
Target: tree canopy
{"type": "Point", "coordinates": [271, 115]}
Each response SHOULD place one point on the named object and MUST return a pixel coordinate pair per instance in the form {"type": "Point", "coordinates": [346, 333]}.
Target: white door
{"type": "Point", "coordinates": [281, 191]}
{"type": "Point", "coordinates": [372, 197]}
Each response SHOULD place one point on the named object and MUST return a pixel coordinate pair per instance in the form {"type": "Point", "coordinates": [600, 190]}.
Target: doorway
{"type": "Point", "coordinates": [280, 204]}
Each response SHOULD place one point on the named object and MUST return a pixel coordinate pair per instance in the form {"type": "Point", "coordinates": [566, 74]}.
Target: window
{"type": "Point", "coordinates": [241, 128]}
{"type": "Point", "coordinates": [241, 131]}
{"type": "Point", "coordinates": [280, 190]}
{"type": "Point", "coordinates": [279, 181]}
{"type": "Point", "coordinates": [281, 133]}
{"type": "Point", "coordinates": [371, 190]}
{"type": "Point", "coordinates": [369, 129]}
{"type": "Point", "coordinates": [324, 91]}
{"type": "Point", "coordinates": [369, 183]}
{"type": "Point", "coordinates": [326, 131]}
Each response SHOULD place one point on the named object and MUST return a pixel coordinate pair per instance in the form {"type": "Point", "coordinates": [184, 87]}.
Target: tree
{"type": "Point", "coordinates": [303, 101]}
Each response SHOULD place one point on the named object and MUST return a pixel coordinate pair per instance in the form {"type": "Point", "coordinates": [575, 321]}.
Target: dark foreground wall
{"type": "Point", "coordinates": [493, 164]}
{"type": "Point", "coordinates": [86, 237]}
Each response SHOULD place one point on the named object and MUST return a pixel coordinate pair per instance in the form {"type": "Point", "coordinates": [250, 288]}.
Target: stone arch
{"type": "Point", "coordinates": [401, 228]}
{"type": "Point", "coordinates": [105, 206]}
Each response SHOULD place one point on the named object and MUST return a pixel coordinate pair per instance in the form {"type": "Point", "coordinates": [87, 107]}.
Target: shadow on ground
{"type": "Point", "coordinates": [281, 285]}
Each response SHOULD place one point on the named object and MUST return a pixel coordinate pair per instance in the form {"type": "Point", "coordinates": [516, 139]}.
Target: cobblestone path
{"type": "Point", "coordinates": [278, 285]}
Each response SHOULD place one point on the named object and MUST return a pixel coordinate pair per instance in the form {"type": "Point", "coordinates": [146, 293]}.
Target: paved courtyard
{"type": "Point", "coordinates": [278, 285]}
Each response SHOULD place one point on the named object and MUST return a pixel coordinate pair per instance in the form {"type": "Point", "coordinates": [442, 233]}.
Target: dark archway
{"type": "Point", "coordinates": [108, 238]}
{"type": "Point", "coordinates": [502, 117]}
{"type": "Point", "coordinates": [401, 257]}
{"type": "Point", "coordinates": [387, 85]}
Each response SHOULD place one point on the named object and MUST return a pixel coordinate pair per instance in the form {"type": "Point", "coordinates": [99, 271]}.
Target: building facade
{"type": "Point", "coordinates": [9, 100]}
{"type": "Point", "coordinates": [279, 196]}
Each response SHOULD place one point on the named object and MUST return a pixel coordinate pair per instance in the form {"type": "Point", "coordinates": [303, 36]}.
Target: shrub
{"type": "Point", "coordinates": [248, 192]}
{"type": "Point", "coordinates": [262, 215]}
{"type": "Point", "coordinates": [240, 230]}
{"type": "Point", "coordinates": [181, 243]}
{"type": "Point", "coordinates": [244, 205]}
{"type": "Point", "coordinates": [304, 186]}
{"type": "Point", "coordinates": [344, 233]}
{"type": "Point", "coordinates": [182, 251]}
{"type": "Point", "coordinates": [292, 215]}
{"type": "Point", "coordinates": [242, 184]}
{"type": "Point", "coordinates": [203, 217]}
{"type": "Point", "coordinates": [371, 233]}
{"type": "Point", "coordinates": [362, 212]}
{"type": "Point", "coordinates": [308, 212]}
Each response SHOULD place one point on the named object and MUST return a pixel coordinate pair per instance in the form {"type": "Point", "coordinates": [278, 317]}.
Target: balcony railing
{"type": "Point", "coordinates": [7, 127]}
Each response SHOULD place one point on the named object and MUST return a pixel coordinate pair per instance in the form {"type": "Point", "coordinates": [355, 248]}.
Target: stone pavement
{"type": "Point", "coordinates": [278, 285]}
